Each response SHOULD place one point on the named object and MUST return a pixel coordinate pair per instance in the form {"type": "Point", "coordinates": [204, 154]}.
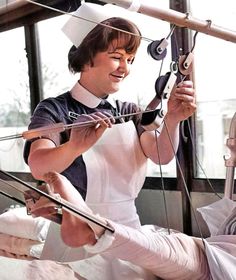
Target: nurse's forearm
{"type": "Point", "coordinates": [168, 140]}
{"type": "Point", "coordinates": [161, 148]}
{"type": "Point", "coordinates": [45, 159]}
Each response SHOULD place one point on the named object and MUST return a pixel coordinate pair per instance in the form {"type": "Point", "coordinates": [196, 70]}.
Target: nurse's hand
{"type": "Point", "coordinates": [182, 102]}
{"type": "Point", "coordinates": [88, 129]}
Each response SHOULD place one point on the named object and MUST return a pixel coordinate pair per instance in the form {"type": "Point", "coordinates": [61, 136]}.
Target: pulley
{"type": "Point", "coordinates": [157, 49]}
{"type": "Point", "coordinates": [164, 86]}
{"type": "Point", "coordinates": [185, 63]}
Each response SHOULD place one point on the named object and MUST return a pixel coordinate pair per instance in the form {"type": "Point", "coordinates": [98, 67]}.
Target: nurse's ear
{"type": "Point", "coordinates": [87, 66]}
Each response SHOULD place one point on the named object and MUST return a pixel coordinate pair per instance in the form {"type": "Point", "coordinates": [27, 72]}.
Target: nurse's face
{"type": "Point", "coordinates": [108, 71]}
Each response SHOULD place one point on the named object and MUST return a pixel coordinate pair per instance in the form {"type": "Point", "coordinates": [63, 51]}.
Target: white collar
{"type": "Point", "coordinates": [81, 94]}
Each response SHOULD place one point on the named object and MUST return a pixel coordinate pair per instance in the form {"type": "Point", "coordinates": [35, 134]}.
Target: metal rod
{"type": "Point", "coordinates": [179, 19]}
{"type": "Point", "coordinates": [12, 197]}
{"type": "Point", "coordinates": [59, 127]}
{"type": "Point", "coordinates": [10, 137]}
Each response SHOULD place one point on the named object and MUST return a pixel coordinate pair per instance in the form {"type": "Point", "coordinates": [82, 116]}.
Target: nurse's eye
{"type": "Point", "coordinates": [116, 57]}
{"type": "Point", "coordinates": [130, 60]}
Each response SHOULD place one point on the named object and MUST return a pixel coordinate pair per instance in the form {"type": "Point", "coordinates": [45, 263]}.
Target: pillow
{"type": "Point", "coordinates": [229, 225]}
{"type": "Point", "coordinates": [220, 257]}
{"type": "Point", "coordinates": [216, 214]}
{"type": "Point", "coordinates": [18, 223]}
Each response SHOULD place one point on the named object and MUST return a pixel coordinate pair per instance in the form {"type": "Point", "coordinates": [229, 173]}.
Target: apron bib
{"type": "Point", "coordinates": [116, 170]}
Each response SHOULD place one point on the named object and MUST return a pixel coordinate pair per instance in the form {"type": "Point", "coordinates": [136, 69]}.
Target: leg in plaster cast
{"type": "Point", "coordinates": [174, 256]}
{"type": "Point", "coordinates": [74, 231]}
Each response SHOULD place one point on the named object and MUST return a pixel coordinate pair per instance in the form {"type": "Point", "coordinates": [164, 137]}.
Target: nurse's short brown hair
{"type": "Point", "coordinates": [100, 38]}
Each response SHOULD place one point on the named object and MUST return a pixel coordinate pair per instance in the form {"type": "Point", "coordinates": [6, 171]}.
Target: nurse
{"type": "Point", "coordinates": [107, 166]}
{"type": "Point", "coordinates": [106, 162]}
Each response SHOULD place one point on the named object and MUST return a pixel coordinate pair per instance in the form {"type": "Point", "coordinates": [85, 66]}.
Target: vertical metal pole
{"type": "Point", "coordinates": [230, 162]}
{"type": "Point", "coordinates": [34, 64]}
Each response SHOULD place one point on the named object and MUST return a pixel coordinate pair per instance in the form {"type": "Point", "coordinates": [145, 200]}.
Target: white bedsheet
{"type": "Point", "coordinates": [35, 270]}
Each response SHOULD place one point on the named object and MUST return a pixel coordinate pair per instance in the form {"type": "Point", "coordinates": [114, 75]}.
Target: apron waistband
{"type": "Point", "coordinates": [117, 212]}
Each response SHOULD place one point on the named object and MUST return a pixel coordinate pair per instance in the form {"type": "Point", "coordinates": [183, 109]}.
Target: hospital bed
{"type": "Point", "coordinates": [22, 241]}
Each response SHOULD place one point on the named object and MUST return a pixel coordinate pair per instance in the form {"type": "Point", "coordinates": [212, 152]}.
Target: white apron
{"type": "Point", "coordinates": [116, 170]}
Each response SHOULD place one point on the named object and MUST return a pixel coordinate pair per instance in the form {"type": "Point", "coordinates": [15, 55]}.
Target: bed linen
{"type": "Point", "coordinates": [19, 255]}
{"type": "Point", "coordinates": [22, 239]}
{"type": "Point", "coordinates": [20, 246]}
{"type": "Point", "coordinates": [220, 218]}
{"type": "Point", "coordinates": [17, 222]}
{"type": "Point", "coordinates": [19, 269]}
{"type": "Point", "coordinates": [21, 235]}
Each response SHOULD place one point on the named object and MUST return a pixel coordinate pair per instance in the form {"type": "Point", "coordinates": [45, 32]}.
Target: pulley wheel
{"type": "Point", "coordinates": [185, 69]}
{"type": "Point", "coordinates": [152, 49]}
{"type": "Point", "coordinates": [149, 117]}
{"type": "Point", "coordinates": [161, 83]}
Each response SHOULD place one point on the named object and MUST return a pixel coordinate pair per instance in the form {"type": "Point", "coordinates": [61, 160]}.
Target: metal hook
{"type": "Point", "coordinates": [209, 22]}
{"type": "Point", "coordinates": [194, 41]}
{"type": "Point", "coordinates": [187, 15]}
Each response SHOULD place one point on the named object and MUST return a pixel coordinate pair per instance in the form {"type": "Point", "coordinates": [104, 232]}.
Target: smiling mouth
{"type": "Point", "coordinates": [118, 77]}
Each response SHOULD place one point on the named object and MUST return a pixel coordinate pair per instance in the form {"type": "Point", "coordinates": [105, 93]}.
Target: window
{"type": "Point", "coordinates": [215, 89]}
{"type": "Point", "coordinates": [54, 47]}
{"type": "Point", "coordinates": [15, 100]}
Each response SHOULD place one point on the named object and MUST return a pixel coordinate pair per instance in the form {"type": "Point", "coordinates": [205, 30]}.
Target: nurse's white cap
{"type": "Point", "coordinates": [87, 16]}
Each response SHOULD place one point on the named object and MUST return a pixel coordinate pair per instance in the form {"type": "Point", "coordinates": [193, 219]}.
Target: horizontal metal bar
{"type": "Point", "coordinates": [179, 19]}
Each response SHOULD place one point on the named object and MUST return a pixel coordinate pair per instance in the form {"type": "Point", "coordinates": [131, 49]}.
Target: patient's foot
{"type": "Point", "coordinates": [61, 185]}
{"type": "Point", "coordinates": [74, 231]}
